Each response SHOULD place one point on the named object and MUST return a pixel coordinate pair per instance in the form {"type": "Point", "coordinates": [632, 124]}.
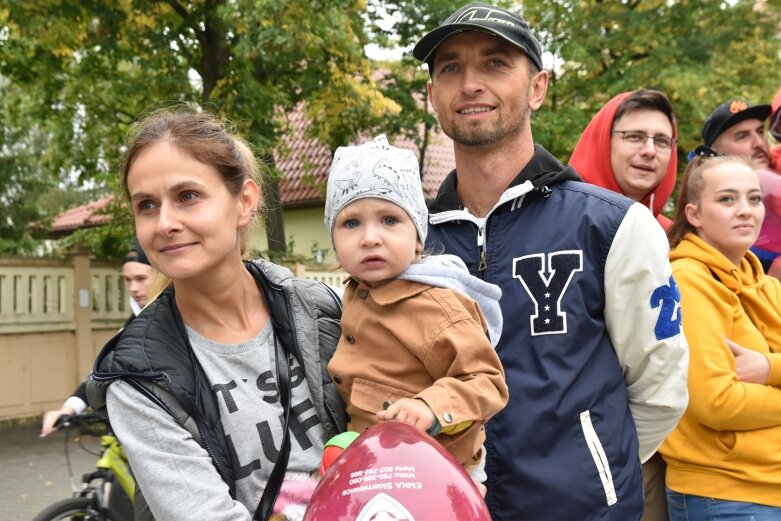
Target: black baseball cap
{"type": "Point", "coordinates": [136, 254]}
{"type": "Point", "coordinates": [728, 114]}
{"type": "Point", "coordinates": [477, 16]}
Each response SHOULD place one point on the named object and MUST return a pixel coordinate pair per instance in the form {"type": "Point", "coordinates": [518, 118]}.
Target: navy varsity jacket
{"type": "Point", "coordinates": [592, 347]}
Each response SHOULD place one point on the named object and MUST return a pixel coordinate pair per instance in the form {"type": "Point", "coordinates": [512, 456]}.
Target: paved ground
{"type": "Point", "coordinates": [34, 470]}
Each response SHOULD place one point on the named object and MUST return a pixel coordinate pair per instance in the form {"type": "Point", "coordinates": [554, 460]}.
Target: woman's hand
{"type": "Point", "coordinates": [750, 366]}
{"type": "Point", "coordinates": [411, 411]}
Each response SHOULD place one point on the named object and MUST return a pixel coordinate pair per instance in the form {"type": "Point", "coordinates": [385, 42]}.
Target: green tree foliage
{"type": "Point", "coordinates": [22, 146]}
{"type": "Point", "coordinates": [405, 81]}
{"type": "Point", "coordinates": [90, 67]}
{"type": "Point", "coordinates": [699, 53]}
{"type": "Point", "coordinates": [75, 73]}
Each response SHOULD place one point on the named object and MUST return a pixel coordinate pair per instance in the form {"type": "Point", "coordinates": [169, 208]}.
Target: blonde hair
{"type": "Point", "coordinates": [690, 191]}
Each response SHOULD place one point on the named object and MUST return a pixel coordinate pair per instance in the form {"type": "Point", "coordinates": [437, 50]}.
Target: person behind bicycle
{"type": "Point", "coordinates": [137, 274]}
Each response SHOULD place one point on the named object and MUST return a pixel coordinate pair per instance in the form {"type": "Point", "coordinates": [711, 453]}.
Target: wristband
{"type": "Point", "coordinates": [435, 428]}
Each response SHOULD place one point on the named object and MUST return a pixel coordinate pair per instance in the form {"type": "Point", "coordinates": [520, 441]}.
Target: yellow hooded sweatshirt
{"type": "Point", "coordinates": [728, 443]}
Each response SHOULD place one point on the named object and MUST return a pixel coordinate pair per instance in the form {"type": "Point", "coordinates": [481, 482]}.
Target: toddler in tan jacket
{"type": "Point", "coordinates": [417, 334]}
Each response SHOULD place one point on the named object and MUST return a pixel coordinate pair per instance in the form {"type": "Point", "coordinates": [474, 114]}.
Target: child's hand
{"type": "Point", "coordinates": [411, 411]}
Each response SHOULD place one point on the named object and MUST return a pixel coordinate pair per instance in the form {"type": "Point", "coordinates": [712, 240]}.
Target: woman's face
{"type": "Point", "coordinates": [730, 212]}
{"type": "Point", "coordinates": [186, 219]}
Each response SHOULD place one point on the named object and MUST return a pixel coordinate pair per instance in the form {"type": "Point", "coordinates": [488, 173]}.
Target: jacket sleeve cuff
{"type": "Point", "coordinates": [774, 378]}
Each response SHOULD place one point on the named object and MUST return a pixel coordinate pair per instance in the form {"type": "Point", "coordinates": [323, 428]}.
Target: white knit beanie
{"type": "Point", "coordinates": [376, 169]}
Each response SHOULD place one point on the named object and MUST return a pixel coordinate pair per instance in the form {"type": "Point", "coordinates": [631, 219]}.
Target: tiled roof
{"type": "Point", "coordinates": [304, 163]}
{"type": "Point", "coordinates": [85, 216]}
{"type": "Point", "coordinates": [439, 161]}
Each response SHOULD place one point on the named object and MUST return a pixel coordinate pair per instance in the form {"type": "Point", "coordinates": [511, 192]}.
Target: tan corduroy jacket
{"type": "Point", "coordinates": [405, 339]}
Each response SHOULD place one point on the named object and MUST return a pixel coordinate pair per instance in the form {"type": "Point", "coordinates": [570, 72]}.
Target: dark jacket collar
{"type": "Point", "coordinates": [155, 346]}
{"type": "Point", "coordinates": [543, 171]}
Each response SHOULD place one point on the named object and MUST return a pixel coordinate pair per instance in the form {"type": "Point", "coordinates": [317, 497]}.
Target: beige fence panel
{"type": "Point", "coordinates": [36, 298]}
{"type": "Point", "coordinates": [334, 278]}
{"type": "Point", "coordinates": [109, 296]}
{"type": "Point", "coordinates": [55, 315]}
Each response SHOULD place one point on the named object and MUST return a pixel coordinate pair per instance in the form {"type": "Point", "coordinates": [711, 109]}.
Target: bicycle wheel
{"type": "Point", "coordinates": [74, 509]}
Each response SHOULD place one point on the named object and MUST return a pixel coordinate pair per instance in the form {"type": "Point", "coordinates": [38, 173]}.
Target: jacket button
{"type": "Point", "coordinates": [338, 379]}
{"type": "Point", "coordinates": [350, 339]}
{"type": "Point", "coordinates": [448, 417]}
{"type": "Point", "coordinates": [386, 404]}
{"type": "Point", "coordinates": [362, 293]}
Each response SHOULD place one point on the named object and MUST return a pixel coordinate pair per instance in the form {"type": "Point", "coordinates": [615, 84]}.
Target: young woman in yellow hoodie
{"type": "Point", "coordinates": [724, 458]}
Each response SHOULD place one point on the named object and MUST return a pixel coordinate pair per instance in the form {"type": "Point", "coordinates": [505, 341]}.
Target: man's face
{"type": "Point", "coordinates": [481, 89]}
{"type": "Point", "coordinates": [639, 167]}
{"type": "Point", "coordinates": [138, 278]}
{"type": "Point", "coordinates": [745, 139]}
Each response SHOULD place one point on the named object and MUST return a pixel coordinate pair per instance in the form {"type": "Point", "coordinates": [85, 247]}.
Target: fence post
{"type": "Point", "coordinates": [82, 314]}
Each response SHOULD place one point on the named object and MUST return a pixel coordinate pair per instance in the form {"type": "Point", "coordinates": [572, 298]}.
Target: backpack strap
{"type": "Point", "coordinates": [168, 402]}
{"type": "Point", "coordinates": [269, 497]}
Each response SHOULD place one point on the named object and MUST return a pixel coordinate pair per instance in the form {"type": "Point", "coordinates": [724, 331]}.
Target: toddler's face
{"type": "Point", "coordinates": [375, 240]}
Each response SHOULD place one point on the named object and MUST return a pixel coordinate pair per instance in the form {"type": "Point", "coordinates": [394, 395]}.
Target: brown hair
{"type": "Point", "coordinates": [646, 99]}
{"type": "Point", "coordinates": [690, 191]}
{"type": "Point", "coordinates": [201, 136]}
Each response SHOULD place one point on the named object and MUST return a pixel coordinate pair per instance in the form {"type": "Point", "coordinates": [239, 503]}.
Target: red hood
{"type": "Point", "coordinates": [773, 121]}
{"type": "Point", "coordinates": [775, 158]}
{"type": "Point", "coordinates": [591, 158]}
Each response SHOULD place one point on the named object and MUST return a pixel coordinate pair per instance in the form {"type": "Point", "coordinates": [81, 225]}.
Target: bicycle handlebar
{"type": "Point", "coordinates": [86, 419]}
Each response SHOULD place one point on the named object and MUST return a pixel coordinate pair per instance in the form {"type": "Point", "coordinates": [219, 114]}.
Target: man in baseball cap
{"type": "Point", "coordinates": [737, 128]}
{"type": "Point", "coordinates": [592, 394]}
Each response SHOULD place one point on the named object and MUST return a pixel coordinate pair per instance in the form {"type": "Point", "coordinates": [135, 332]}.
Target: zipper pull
{"type": "Point", "coordinates": [481, 245]}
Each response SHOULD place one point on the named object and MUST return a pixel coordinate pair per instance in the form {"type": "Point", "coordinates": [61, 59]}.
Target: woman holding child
{"type": "Point", "coordinates": [216, 389]}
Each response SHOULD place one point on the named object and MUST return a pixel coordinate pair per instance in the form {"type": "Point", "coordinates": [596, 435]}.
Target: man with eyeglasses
{"type": "Point", "coordinates": [629, 147]}
{"type": "Point", "coordinates": [592, 348]}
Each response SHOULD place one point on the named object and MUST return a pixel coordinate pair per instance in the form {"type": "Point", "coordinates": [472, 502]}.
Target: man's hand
{"type": "Point", "coordinates": [750, 366]}
{"type": "Point", "coordinates": [411, 411]}
{"type": "Point", "coordinates": [51, 417]}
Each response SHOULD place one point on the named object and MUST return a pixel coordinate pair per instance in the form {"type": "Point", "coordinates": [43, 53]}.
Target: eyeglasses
{"type": "Point", "coordinates": [636, 139]}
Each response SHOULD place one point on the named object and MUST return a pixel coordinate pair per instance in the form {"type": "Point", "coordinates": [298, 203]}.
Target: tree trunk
{"type": "Point", "coordinates": [275, 225]}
